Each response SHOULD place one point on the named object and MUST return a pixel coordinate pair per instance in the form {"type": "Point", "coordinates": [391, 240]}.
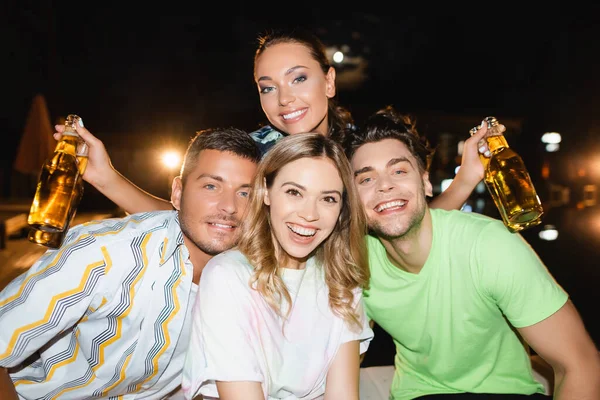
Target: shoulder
{"type": "Point", "coordinates": [230, 265]}
{"type": "Point", "coordinates": [112, 231]}
{"type": "Point", "coordinates": [456, 224]}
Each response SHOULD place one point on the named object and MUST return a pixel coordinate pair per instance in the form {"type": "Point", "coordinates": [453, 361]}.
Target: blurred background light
{"type": "Point", "coordinates": [552, 147]}
{"type": "Point", "coordinates": [171, 159]}
{"type": "Point", "coordinates": [549, 232]}
{"type": "Point", "coordinates": [551, 138]}
{"type": "Point", "coordinates": [338, 57]}
{"type": "Point", "coordinates": [445, 183]}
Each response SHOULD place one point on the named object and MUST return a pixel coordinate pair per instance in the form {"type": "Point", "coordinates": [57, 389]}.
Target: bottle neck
{"type": "Point", "coordinates": [497, 142]}
{"type": "Point", "coordinates": [67, 144]}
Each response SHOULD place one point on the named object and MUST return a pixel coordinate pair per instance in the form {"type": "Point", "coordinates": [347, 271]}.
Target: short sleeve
{"type": "Point", "coordinates": [516, 278]}
{"type": "Point", "coordinates": [364, 334]}
{"type": "Point", "coordinates": [222, 344]}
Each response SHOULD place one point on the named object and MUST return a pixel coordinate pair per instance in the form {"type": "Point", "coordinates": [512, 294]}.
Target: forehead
{"type": "Point", "coordinates": [377, 154]}
{"type": "Point", "coordinates": [282, 56]}
{"type": "Point", "coordinates": [226, 165]}
{"type": "Point", "coordinates": [319, 173]}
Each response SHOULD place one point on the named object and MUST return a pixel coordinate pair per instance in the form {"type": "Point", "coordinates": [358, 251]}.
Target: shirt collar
{"type": "Point", "coordinates": [173, 239]}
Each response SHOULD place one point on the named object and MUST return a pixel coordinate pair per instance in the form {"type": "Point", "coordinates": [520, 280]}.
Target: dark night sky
{"type": "Point", "coordinates": [169, 70]}
{"type": "Point", "coordinates": [129, 68]}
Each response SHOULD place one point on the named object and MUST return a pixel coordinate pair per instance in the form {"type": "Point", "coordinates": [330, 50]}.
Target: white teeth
{"type": "Point", "coordinates": [391, 204]}
{"type": "Point", "coordinates": [302, 231]}
{"type": "Point", "coordinates": [294, 114]}
{"type": "Point", "coordinates": [223, 226]}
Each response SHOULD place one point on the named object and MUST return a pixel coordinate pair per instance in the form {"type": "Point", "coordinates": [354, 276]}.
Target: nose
{"type": "Point", "coordinates": [286, 96]}
{"type": "Point", "coordinates": [309, 211]}
{"type": "Point", "coordinates": [384, 184]}
{"type": "Point", "coordinates": [227, 204]}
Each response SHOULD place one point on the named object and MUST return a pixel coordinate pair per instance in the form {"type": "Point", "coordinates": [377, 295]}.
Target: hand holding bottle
{"type": "Point", "coordinates": [471, 168]}
{"type": "Point", "coordinates": [99, 167]}
{"type": "Point", "coordinates": [508, 180]}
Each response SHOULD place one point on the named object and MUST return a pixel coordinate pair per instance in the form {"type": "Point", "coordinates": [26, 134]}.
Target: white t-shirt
{"type": "Point", "coordinates": [236, 335]}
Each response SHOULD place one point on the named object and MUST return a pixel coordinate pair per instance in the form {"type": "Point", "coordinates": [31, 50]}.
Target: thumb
{"type": "Point", "coordinates": [84, 133]}
{"type": "Point", "coordinates": [480, 133]}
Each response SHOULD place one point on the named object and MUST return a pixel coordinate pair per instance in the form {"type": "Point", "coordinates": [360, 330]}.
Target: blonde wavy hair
{"type": "Point", "coordinates": [343, 255]}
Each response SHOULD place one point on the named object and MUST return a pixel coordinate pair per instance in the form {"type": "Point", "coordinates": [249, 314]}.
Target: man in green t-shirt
{"type": "Point", "coordinates": [454, 288]}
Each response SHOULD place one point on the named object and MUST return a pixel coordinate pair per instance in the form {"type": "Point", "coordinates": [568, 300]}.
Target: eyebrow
{"type": "Point", "coordinates": [303, 188]}
{"type": "Point", "coordinates": [289, 71]}
{"type": "Point", "coordinates": [220, 179]}
{"type": "Point", "coordinates": [215, 177]}
{"type": "Point", "coordinates": [393, 161]}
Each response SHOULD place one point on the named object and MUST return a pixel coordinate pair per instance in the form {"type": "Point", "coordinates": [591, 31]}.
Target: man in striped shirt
{"type": "Point", "coordinates": [107, 314]}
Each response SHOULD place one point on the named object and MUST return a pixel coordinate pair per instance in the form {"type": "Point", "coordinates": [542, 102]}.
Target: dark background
{"type": "Point", "coordinates": [148, 76]}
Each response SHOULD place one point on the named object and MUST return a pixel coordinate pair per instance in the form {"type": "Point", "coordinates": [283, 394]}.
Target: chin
{"type": "Point", "coordinates": [299, 253]}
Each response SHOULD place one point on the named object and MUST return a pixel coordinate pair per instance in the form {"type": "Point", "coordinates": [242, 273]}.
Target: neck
{"type": "Point", "coordinates": [197, 257]}
{"type": "Point", "coordinates": [286, 261]}
{"type": "Point", "coordinates": [410, 252]}
{"type": "Point", "coordinates": [322, 127]}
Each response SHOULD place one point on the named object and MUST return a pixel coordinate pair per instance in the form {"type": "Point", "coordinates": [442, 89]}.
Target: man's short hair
{"type": "Point", "coordinates": [387, 123]}
{"type": "Point", "coordinates": [232, 140]}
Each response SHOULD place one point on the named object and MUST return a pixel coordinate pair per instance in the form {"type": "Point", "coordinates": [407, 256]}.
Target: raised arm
{"type": "Point", "coordinates": [103, 176]}
{"type": "Point", "coordinates": [468, 176]}
{"type": "Point", "coordinates": [563, 342]}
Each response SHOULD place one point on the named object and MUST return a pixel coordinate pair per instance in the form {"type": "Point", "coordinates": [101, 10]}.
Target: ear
{"type": "Point", "coordinates": [427, 185]}
{"type": "Point", "coordinates": [176, 191]}
{"type": "Point", "coordinates": [330, 83]}
{"type": "Point", "coordinates": [266, 198]}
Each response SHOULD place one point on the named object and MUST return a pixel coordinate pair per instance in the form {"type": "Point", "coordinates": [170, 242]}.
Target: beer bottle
{"type": "Point", "coordinates": [55, 239]}
{"type": "Point", "coordinates": [58, 181]}
{"type": "Point", "coordinates": [508, 181]}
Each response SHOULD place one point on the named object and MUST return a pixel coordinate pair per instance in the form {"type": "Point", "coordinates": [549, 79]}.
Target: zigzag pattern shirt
{"type": "Point", "coordinates": [106, 315]}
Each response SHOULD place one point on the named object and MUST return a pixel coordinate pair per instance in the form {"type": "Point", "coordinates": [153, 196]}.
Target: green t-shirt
{"type": "Point", "coordinates": [448, 322]}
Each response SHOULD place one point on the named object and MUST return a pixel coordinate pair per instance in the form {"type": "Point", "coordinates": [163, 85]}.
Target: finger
{"type": "Point", "coordinates": [480, 133]}
{"type": "Point", "coordinates": [84, 133]}
{"type": "Point", "coordinates": [59, 128]}
{"type": "Point", "coordinates": [57, 135]}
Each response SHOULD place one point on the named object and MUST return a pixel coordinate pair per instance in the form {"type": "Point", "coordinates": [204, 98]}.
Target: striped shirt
{"type": "Point", "coordinates": [106, 315]}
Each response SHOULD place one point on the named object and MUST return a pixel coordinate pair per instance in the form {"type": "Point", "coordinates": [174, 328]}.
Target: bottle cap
{"type": "Point", "coordinates": [70, 122]}
{"type": "Point", "coordinates": [491, 121]}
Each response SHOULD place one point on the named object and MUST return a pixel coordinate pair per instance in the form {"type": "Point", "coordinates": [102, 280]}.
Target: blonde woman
{"type": "Point", "coordinates": [281, 316]}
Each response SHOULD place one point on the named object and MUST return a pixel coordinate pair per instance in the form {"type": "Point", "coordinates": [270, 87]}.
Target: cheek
{"type": "Point", "coordinates": [364, 196]}
{"type": "Point", "coordinates": [198, 205]}
{"type": "Point", "coordinates": [314, 95]}
{"type": "Point", "coordinates": [330, 218]}
{"type": "Point", "coordinates": [241, 204]}
{"type": "Point", "coordinates": [268, 103]}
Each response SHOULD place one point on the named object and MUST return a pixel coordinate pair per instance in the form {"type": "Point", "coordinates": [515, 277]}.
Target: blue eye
{"type": "Point", "coordinates": [210, 186]}
{"type": "Point", "coordinates": [363, 181]}
{"type": "Point", "coordinates": [244, 194]}
{"type": "Point", "coordinates": [267, 89]}
{"type": "Point", "coordinates": [300, 79]}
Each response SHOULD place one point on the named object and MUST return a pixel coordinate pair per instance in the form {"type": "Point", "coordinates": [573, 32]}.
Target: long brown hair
{"type": "Point", "coordinates": [343, 255]}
